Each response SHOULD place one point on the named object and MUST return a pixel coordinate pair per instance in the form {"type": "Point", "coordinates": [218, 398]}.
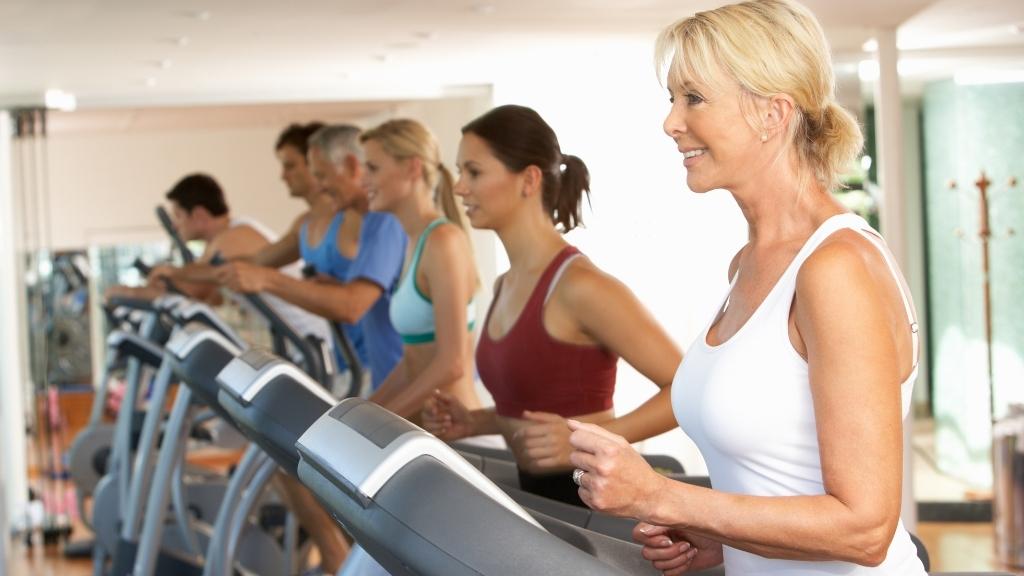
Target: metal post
{"type": "Point", "coordinates": [889, 130]}
{"type": "Point", "coordinates": [13, 349]}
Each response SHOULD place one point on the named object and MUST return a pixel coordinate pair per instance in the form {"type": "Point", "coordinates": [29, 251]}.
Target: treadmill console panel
{"type": "Point", "coordinates": [378, 426]}
{"type": "Point", "coordinates": [358, 446]}
{"type": "Point", "coordinates": [257, 359]}
{"type": "Point", "coordinates": [185, 339]}
{"type": "Point", "coordinates": [199, 312]}
{"type": "Point", "coordinates": [169, 302]}
{"type": "Point", "coordinates": [245, 376]}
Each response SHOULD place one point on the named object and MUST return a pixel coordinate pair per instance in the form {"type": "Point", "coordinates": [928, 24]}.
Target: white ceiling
{"type": "Point", "coordinates": [158, 52]}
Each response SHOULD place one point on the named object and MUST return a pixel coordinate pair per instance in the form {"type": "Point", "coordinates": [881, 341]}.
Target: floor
{"type": "Point", "coordinates": [953, 547]}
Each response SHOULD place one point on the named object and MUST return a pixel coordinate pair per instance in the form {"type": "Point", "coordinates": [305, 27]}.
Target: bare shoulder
{"type": "Point", "coordinates": [845, 262]}
{"type": "Point", "coordinates": [583, 283]}
{"type": "Point", "coordinates": [242, 233]}
{"type": "Point", "coordinates": [445, 242]}
{"type": "Point", "coordinates": [239, 241]}
{"type": "Point", "coordinates": [299, 221]}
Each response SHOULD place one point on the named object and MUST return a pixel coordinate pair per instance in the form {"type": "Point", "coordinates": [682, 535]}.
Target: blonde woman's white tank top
{"type": "Point", "coordinates": [747, 405]}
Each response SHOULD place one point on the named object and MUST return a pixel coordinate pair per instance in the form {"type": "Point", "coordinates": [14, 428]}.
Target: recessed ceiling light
{"type": "Point", "coordinates": [871, 45]}
{"type": "Point", "coordinates": [60, 100]}
{"type": "Point", "coordinates": [182, 41]}
{"type": "Point", "coordinates": [202, 15]}
{"type": "Point", "coordinates": [165, 63]}
{"type": "Point", "coordinates": [149, 82]}
{"type": "Point", "coordinates": [867, 70]}
{"type": "Point", "coordinates": [485, 8]}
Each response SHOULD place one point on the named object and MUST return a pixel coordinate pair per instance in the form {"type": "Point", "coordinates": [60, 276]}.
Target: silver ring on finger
{"type": "Point", "coordinates": [577, 476]}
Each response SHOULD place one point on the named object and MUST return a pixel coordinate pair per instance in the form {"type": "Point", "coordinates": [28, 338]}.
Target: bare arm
{"type": "Point", "coordinates": [340, 302]}
{"type": "Point", "coordinates": [607, 313]}
{"type": "Point", "coordinates": [446, 417]}
{"type": "Point", "coordinates": [199, 279]}
{"type": "Point", "coordinates": [611, 314]}
{"type": "Point", "coordinates": [148, 292]}
{"type": "Point", "coordinates": [283, 252]}
{"type": "Point", "coordinates": [842, 315]}
{"type": "Point", "coordinates": [447, 266]}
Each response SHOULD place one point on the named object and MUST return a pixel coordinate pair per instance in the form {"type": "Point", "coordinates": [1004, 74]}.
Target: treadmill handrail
{"type": "Point", "coordinates": [135, 346]}
{"type": "Point", "coordinates": [130, 303]}
{"type": "Point", "coordinates": [194, 333]}
{"type": "Point", "coordinates": [348, 352]}
{"type": "Point", "coordinates": [198, 312]}
{"type": "Point", "coordinates": [168, 225]}
{"type": "Point", "coordinates": [344, 344]}
{"type": "Point", "coordinates": [314, 362]}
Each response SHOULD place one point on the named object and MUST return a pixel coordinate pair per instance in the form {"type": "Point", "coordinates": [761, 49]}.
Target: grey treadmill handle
{"type": "Point", "coordinates": [203, 314]}
{"type": "Point", "coordinates": [168, 225]}
{"type": "Point", "coordinates": [130, 303]}
{"type": "Point", "coordinates": [135, 346]}
{"type": "Point", "coordinates": [348, 352]}
{"type": "Point", "coordinates": [314, 362]}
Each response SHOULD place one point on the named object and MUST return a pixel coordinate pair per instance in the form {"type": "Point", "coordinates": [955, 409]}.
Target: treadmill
{"type": "Point", "coordinates": [254, 388]}
{"type": "Point", "coordinates": [417, 508]}
{"type": "Point", "coordinates": [196, 355]}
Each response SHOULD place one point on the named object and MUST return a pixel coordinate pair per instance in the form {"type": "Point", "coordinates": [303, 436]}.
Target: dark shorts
{"type": "Point", "coordinates": [558, 486]}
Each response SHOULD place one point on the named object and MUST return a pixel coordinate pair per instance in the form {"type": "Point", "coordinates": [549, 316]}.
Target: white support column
{"type": "Point", "coordinates": [889, 140]}
{"type": "Point", "coordinates": [13, 468]}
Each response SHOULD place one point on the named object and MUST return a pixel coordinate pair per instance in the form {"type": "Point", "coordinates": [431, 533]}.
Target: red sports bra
{"type": "Point", "coordinates": [527, 369]}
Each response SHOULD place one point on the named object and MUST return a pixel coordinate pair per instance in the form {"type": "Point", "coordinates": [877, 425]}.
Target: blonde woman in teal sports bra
{"type": "Point", "coordinates": [432, 308]}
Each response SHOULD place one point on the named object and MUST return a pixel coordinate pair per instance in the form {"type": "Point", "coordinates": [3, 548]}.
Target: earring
{"type": "Point", "coordinates": [764, 137]}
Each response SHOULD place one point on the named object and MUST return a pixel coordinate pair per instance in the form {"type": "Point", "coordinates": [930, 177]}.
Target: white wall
{"type": "Point", "coordinates": [670, 246]}
{"type": "Point", "coordinates": [13, 483]}
{"type": "Point", "coordinates": [104, 186]}
{"type": "Point", "coordinates": [105, 181]}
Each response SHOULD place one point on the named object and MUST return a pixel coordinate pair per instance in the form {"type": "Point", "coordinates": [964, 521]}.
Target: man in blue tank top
{"type": "Point", "coordinates": [362, 295]}
{"type": "Point", "coordinates": [319, 252]}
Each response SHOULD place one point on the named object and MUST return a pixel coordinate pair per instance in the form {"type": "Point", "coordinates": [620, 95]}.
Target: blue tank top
{"type": "Point", "coordinates": [326, 259]}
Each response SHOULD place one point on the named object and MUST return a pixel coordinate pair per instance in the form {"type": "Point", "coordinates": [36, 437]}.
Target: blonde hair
{"type": "Point", "coordinates": [405, 138]}
{"type": "Point", "coordinates": [770, 47]}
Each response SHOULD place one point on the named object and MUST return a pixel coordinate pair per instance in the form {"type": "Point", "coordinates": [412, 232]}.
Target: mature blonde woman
{"type": "Point", "coordinates": [796, 391]}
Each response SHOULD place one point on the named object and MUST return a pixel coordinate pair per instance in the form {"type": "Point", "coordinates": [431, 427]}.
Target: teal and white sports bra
{"type": "Point", "coordinates": [412, 313]}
